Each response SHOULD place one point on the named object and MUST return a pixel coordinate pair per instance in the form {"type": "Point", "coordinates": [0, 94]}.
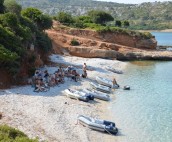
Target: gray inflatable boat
{"type": "Point", "coordinates": [75, 94]}
{"type": "Point", "coordinates": [98, 124]}
{"type": "Point", "coordinates": [100, 87]}
{"type": "Point", "coordinates": [98, 95]}
{"type": "Point", "coordinates": [106, 82]}
{"type": "Point", "coordinates": [114, 70]}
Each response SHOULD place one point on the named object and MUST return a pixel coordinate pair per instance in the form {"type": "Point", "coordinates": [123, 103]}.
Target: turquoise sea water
{"type": "Point", "coordinates": [163, 38]}
{"type": "Point", "coordinates": [144, 114]}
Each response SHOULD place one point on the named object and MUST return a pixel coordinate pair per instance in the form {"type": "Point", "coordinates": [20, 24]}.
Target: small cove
{"type": "Point", "coordinates": [145, 112]}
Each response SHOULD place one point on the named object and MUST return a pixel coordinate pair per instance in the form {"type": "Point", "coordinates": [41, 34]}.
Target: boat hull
{"type": "Point", "coordinates": [106, 82]}
{"type": "Point", "coordinates": [75, 95]}
{"type": "Point", "coordinates": [101, 96]}
{"type": "Point", "coordinates": [97, 124]}
{"type": "Point", "coordinates": [100, 87]}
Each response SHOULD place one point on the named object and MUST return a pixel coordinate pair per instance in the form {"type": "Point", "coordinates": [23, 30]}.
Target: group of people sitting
{"type": "Point", "coordinates": [43, 80]}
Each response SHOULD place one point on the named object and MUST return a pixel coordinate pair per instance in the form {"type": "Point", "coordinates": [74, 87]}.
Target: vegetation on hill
{"type": "Point", "coordinates": [99, 21]}
{"type": "Point", "coordinates": [9, 134]}
{"type": "Point", "coordinates": [145, 16]}
{"type": "Point", "coordinates": [22, 28]}
{"type": "Point", "coordinates": [19, 29]}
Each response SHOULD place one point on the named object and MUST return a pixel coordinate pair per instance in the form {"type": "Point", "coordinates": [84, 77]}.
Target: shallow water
{"type": "Point", "coordinates": [144, 114]}
{"type": "Point", "coordinates": [163, 38]}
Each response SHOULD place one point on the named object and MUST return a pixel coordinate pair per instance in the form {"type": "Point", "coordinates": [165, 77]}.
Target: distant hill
{"type": "Point", "coordinates": [156, 15]}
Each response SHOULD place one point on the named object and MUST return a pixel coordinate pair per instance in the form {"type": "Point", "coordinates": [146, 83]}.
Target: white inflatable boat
{"type": "Point", "coordinates": [74, 94]}
{"type": "Point", "coordinates": [98, 95]}
{"type": "Point", "coordinates": [106, 82]}
{"type": "Point", "coordinates": [114, 70]}
{"type": "Point", "coordinates": [100, 87]}
{"type": "Point", "coordinates": [97, 124]}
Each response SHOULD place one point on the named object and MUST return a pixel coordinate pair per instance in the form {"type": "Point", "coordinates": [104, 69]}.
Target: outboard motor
{"type": "Point", "coordinates": [107, 123]}
{"type": "Point", "coordinates": [91, 97]}
{"type": "Point", "coordinates": [112, 130]}
{"type": "Point", "coordinates": [126, 87]}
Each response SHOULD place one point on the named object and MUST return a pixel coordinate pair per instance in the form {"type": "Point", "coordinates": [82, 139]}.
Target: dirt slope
{"type": "Point", "coordinates": [93, 44]}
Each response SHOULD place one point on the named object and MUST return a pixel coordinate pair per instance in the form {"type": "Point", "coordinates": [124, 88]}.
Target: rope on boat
{"type": "Point", "coordinates": [108, 132]}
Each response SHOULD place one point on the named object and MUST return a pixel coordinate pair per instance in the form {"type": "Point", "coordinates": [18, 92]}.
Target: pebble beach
{"type": "Point", "coordinates": [51, 116]}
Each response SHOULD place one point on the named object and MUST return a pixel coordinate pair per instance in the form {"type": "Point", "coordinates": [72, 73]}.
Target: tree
{"type": "Point", "coordinates": [41, 20]}
{"type": "Point", "coordinates": [118, 23]}
{"type": "Point", "coordinates": [65, 18]}
{"type": "Point", "coordinates": [43, 41]}
{"type": "Point", "coordinates": [6, 56]}
{"type": "Point", "coordinates": [10, 41]}
{"type": "Point", "coordinates": [100, 17]}
{"type": "Point", "coordinates": [85, 19]}
{"type": "Point", "coordinates": [9, 20]}
{"type": "Point", "coordinates": [126, 24]}
{"type": "Point", "coordinates": [28, 23]}
{"type": "Point", "coordinates": [45, 22]}
{"type": "Point", "coordinates": [2, 8]}
{"type": "Point", "coordinates": [32, 13]}
{"type": "Point", "coordinates": [13, 7]}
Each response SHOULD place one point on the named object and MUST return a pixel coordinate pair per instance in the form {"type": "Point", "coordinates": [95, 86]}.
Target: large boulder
{"type": "Point", "coordinates": [91, 52]}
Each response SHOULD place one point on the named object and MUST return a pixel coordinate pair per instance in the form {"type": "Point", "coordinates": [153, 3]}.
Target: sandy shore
{"type": "Point", "coordinates": [51, 116]}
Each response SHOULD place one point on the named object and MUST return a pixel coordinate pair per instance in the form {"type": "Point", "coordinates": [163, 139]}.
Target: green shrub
{"type": "Point", "coordinates": [7, 56]}
{"type": "Point", "coordinates": [102, 29]}
{"type": "Point", "coordinates": [74, 42]}
{"type": "Point", "coordinates": [24, 21]}
{"type": "Point", "coordinates": [10, 41]}
{"type": "Point", "coordinates": [78, 24]}
{"type": "Point", "coordinates": [43, 42]}
{"type": "Point", "coordinates": [85, 19]}
{"type": "Point", "coordinates": [9, 134]}
{"type": "Point", "coordinates": [65, 18]}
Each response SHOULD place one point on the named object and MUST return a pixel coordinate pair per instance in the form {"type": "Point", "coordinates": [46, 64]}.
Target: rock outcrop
{"type": "Point", "coordinates": [116, 38]}
{"type": "Point", "coordinates": [91, 52]}
{"type": "Point", "coordinates": [107, 45]}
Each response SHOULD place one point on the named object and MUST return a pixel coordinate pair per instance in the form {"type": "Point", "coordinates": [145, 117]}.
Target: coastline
{"type": "Point", "coordinates": [51, 116]}
{"type": "Point", "coordinates": [166, 30]}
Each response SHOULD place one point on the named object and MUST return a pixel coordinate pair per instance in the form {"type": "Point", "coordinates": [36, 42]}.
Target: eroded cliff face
{"type": "Point", "coordinates": [107, 45]}
{"type": "Point", "coordinates": [116, 38]}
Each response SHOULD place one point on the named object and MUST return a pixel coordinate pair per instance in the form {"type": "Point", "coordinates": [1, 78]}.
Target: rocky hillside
{"type": "Point", "coordinates": [104, 45]}
{"type": "Point", "coordinates": [156, 15]}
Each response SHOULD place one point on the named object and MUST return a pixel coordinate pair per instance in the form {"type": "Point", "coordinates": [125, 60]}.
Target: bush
{"type": "Point", "coordinates": [102, 29]}
{"type": "Point", "coordinates": [8, 134]}
{"type": "Point", "coordinates": [65, 18]}
{"type": "Point", "coordinates": [74, 42]}
{"type": "Point", "coordinates": [43, 42]}
{"type": "Point", "coordinates": [78, 24]}
{"type": "Point", "coordinates": [24, 21]}
{"type": "Point", "coordinates": [10, 41]}
{"type": "Point", "coordinates": [7, 56]}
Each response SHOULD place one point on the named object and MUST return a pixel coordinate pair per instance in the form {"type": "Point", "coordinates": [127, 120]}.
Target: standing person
{"type": "Point", "coordinates": [84, 68]}
{"type": "Point", "coordinates": [84, 74]}
{"type": "Point", "coordinates": [114, 82]}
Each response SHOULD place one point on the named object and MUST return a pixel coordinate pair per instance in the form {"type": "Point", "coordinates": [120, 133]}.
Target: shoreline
{"type": "Point", "coordinates": [51, 116]}
{"type": "Point", "coordinates": [166, 30]}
